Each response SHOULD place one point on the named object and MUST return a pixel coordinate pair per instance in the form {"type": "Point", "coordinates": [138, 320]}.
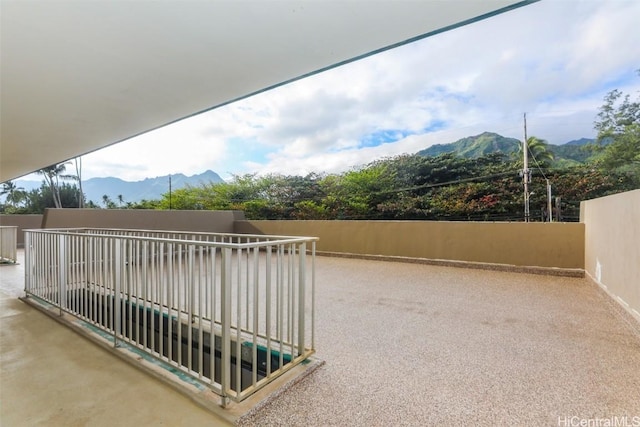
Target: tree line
{"type": "Point", "coordinates": [405, 187]}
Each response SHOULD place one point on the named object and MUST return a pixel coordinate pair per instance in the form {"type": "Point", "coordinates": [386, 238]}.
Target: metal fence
{"type": "Point", "coordinates": [8, 244]}
{"type": "Point", "coordinates": [232, 311]}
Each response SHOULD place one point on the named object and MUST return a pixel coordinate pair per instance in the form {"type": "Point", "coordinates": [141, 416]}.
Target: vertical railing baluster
{"type": "Point", "coordinates": [28, 270]}
{"type": "Point", "coordinates": [256, 316]}
{"type": "Point", "coordinates": [170, 287]}
{"type": "Point", "coordinates": [152, 295]}
{"type": "Point", "coordinates": [302, 272]}
{"type": "Point", "coordinates": [62, 271]}
{"type": "Point", "coordinates": [117, 299]}
{"type": "Point", "coordinates": [161, 279]}
{"type": "Point", "coordinates": [94, 279]}
{"type": "Point", "coordinates": [142, 277]}
{"type": "Point", "coordinates": [280, 308]}
{"type": "Point", "coordinates": [239, 260]}
{"type": "Point", "coordinates": [247, 292]}
{"type": "Point", "coordinates": [267, 308]}
{"type": "Point", "coordinates": [225, 307]}
{"type": "Point", "coordinates": [200, 313]}
{"type": "Point", "coordinates": [291, 301]}
{"type": "Point", "coordinates": [313, 295]}
{"type": "Point", "coordinates": [179, 308]}
{"type": "Point", "coordinates": [145, 281]}
{"type": "Point", "coordinates": [190, 285]}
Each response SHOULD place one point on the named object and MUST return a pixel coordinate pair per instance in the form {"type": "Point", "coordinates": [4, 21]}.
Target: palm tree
{"type": "Point", "coordinates": [107, 201]}
{"type": "Point", "coordinates": [78, 165]}
{"type": "Point", "coordinates": [120, 200]}
{"type": "Point", "coordinates": [52, 175]}
{"type": "Point", "coordinates": [14, 193]}
{"type": "Point", "coordinates": [539, 154]}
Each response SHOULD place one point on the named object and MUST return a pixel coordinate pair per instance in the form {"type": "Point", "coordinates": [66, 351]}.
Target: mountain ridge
{"type": "Point", "coordinates": [132, 191]}
{"type": "Point", "coordinates": [567, 154]}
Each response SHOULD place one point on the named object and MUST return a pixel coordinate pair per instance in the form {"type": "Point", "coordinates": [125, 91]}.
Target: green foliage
{"type": "Point", "coordinates": [570, 155]}
{"type": "Point", "coordinates": [36, 201]}
{"type": "Point", "coordinates": [475, 146]}
{"type": "Point", "coordinates": [573, 153]}
{"type": "Point", "coordinates": [52, 176]}
{"type": "Point", "coordinates": [618, 123]}
{"type": "Point", "coordinates": [446, 187]}
{"type": "Point", "coordinates": [14, 195]}
{"type": "Point", "coordinates": [540, 156]}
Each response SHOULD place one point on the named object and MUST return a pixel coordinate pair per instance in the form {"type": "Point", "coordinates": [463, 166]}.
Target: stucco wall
{"type": "Point", "coordinates": [612, 246]}
{"type": "Point", "coordinates": [210, 221]}
{"type": "Point", "coordinates": [558, 245]}
{"type": "Point", "coordinates": [23, 222]}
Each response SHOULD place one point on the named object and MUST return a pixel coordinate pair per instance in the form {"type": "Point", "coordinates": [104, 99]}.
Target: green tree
{"type": "Point", "coordinates": [539, 154]}
{"type": "Point", "coordinates": [78, 165]}
{"type": "Point", "coordinates": [107, 202]}
{"type": "Point", "coordinates": [618, 126]}
{"type": "Point", "coordinates": [445, 187]}
{"type": "Point", "coordinates": [14, 194]}
{"type": "Point", "coordinates": [52, 176]}
{"type": "Point", "coordinates": [37, 200]}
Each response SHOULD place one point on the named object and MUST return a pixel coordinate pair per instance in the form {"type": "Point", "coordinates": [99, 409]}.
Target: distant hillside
{"type": "Point", "coordinates": [570, 153]}
{"type": "Point", "coordinates": [573, 150]}
{"type": "Point", "coordinates": [475, 146]}
{"type": "Point", "coordinates": [581, 141]}
{"type": "Point", "coordinates": [133, 191]}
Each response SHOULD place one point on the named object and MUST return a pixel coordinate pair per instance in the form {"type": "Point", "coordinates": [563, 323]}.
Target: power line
{"type": "Point", "coordinates": [442, 184]}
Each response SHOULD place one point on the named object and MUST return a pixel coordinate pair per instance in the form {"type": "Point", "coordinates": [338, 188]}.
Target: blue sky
{"type": "Point", "coordinates": [554, 60]}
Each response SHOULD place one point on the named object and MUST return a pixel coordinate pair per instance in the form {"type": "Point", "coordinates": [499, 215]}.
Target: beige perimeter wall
{"type": "Point", "coordinates": [209, 221]}
{"type": "Point", "coordinates": [23, 222]}
{"type": "Point", "coordinates": [535, 244]}
{"type": "Point", "coordinates": [612, 246]}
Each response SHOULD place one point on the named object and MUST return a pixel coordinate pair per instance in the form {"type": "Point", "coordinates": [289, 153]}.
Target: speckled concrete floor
{"type": "Point", "coordinates": [404, 344]}
{"type": "Point", "coordinates": [416, 345]}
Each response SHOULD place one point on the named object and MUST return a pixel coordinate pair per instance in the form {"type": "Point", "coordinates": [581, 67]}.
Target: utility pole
{"type": "Point", "coordinates": [549, 208]}
{"type": "Point", "coordinates": [526, 174]}
{"type": "Point", "coordinates": [169, 192]}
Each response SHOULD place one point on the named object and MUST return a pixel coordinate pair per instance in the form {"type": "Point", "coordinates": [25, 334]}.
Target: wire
{"type": "Point", "coordinates": [442, 184]}
{"type": "Point", "coordinates": [536, 160]}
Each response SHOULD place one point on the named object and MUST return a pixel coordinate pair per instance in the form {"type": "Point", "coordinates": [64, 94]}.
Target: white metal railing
{"type": "Point", "coordinates": [233, 311]}
{"type": "Point", "coordinates": [8, 244]}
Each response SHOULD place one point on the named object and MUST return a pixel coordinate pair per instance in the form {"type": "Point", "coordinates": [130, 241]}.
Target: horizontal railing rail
{"type": "Point", "coordinates": [232, 311]}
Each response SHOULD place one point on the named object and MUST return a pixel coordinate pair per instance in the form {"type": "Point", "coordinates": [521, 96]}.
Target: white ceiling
{"type": "Point", "coordinates": [77, 76]}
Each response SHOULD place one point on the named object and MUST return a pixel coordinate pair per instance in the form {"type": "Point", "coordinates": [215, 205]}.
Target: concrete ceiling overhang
{"type": "Point", "coordinates": [77, 76]}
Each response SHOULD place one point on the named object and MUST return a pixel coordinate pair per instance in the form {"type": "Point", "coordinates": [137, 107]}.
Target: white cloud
{"type": "Point", "coordinates": [553, 59]}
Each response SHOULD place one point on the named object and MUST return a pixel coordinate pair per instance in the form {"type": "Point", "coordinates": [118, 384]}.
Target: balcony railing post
{"type": "Point", "coordinates": [117, 300]}
{"type": "Point", "coordinates": [313, 295]}
{"type": "Point", "coordinates": [62, 271]}
{"type": "Point", "coordinates": [225, 296]}
{"type": "Point", "coordinates": [302, 275]}
{"type": "Point", "coordinates": [28, 272]}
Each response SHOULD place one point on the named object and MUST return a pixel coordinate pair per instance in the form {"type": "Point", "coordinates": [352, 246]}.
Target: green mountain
{"type": "Point", "coordinates": [475, 146]}
{"type": "Point", "coordinates": [572, 153]}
